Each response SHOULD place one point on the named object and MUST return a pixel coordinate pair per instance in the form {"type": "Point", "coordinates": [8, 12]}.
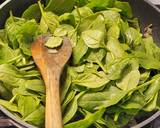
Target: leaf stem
{"type": "Point", "coordinates": [143, 85]}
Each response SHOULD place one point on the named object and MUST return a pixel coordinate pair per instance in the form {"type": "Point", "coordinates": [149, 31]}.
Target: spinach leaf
{"type": "Point", "coordinates": [59, 7]}
{"type": "Point", "coordinates": [152, 104]}
{"type": "Point", "coordinates": [79, 51]}
{"type": "Point", "coordinates": [116, 68]}
{"type": "Point", "coordinates": [81, 12]}
{"type": "Point", "coordinates": [70, 96]}
{"type": "Point", "coordinates": [151, 48]}
{"type": "Point", "coordinates": [33, 12]}
{"type": "Point", "coordinates": [8, 55]}
{"type": "Point", "coordinates": [91, 80]}
{"type": "Point", "coordinates": [140, 100]}
{"type": "Point", "coordinates": [73, 37]}
{"type": "Point", "coordinates": [27, 104]}
{"type": "Point", "coordinates": [113, 32]}
{"type": "Point", "coordinates": [37, 117]}
{"type": "Point", "coordinates": [129, 81]}
{"type": "Point", "coordinates": [94, 22]}
{"type": "Point", "coordinates": [93, 38]}
{"type": "Point", "coordinates": [9, 105]}
{"type": "Point", "coordinates": [36, 85]}
{"type": "Point", "coordinates": [72, 108]}
{"type": "Point", "coordinates": [133, 36]}
{"type": "Point", "coordinates": [115, 48]}
{"type": "Point", "coordinates": [54, 42]}
{"type": "Point", "coordinates": [100, 4]}
{"type": "Point", "coordinates": [147, 61]}
{"type": "Point", "coordinates": [66, 84]}
{"type": "Point", "coordinates": [9, 74]}
{"type": "Point", "coordinates": [125, 7]}
{"type": "Point", "coordinates": [113, 69]}
{"type": "Point", "coordinates": [95, 100]}
{"type": "Point", "coordinates": [49, 21]}
{"type": "Point", "coordinates": [67, 18]}
{"type": "Point", "coordinates": [144, 76]}
{"type": "Point", "coordinates": [111, 17]}
{"type": "Point", "coordinates": [95, 55]}
{"type": "Point", "coordinates": [63, 30]}
{"type": "Point", "coordinates": [4, 92]}
{"type": "Point", "coordinates": [15, 27]}
{"type": "Point", "coordinates": [89, 120]}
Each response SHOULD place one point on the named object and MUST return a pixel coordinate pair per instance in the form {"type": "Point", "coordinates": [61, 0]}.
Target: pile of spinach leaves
{"type": "Point", "coordinates": [113, 74]}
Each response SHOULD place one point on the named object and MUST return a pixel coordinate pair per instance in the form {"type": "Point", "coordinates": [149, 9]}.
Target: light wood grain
{"type": "Point", "coordinates": [51, 66]}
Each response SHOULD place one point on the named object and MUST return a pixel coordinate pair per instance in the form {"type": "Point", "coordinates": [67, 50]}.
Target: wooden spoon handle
{"type": "Point", "coordinates": [53, 109]}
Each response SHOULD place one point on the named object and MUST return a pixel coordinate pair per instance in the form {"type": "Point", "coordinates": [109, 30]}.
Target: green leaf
{"type": "Point", "coordinates": [79, 51]}
{"type": "Point", "coordinates": [4, 92]}
{"type": "Point", "coordinates": [113, 32]}
{"type": "Point", "coordinates": [93, 38]}
{"type": "Point", "coordinates": [63, 30]}
{"type": "Point", "coordinates": [91, 80]}
{"type": "Point", "coordinates": [129, 81]}
{"type": "Point", "coordinates": [101, 4]}
{"type": "Point", "coordinates": [151, 48]}
{"type": "Point", "coordinates": [54, 42]}
{"type": "Point", "coordinates": [9, 105]}
{"type": "Point", "coordinates": [60, 7]}
{"type": "Point", "coordinates": [153, 89]}
{"type": "Point", "coordinates": [37, 117]}
{"type": "Point", "coordinates": [115, 48]}
{"type": "Point", "coordinates": [9, 74]}
{"type": "Point", "coordinates": [152, 104]}
{"type": "Point", "coordinates": [27, 104]}
{"type": "Point", "coordinates": [32, 12]}
{"type": "Point", "coordinates": [147, 61]}
{"type": "Point", "coordinates": [81, 3]}
{"type": "Point", "coordinates": [66, 84]}
{"type": "Point", "coordinates": [95, 55]}
{"type": "Point", "coordinates": [87, 121]}
{"type": "Point", "coordinates": [133, 36]}
{"type": "Point", "coordinates": [8, 55]}
{"type": "Point", "coordinates": [135, 102]}
{"type": "Point", "coordinates": [72, 108]}
{"type": "Point", "coordinates": [144, 76]}
{"type": "Point", "coordinates": [95, 22]}
{"type": "Point", "coordinates": [95, 100]}
{"type": "Point", "coordinates": [111, 17]}
{"type": "Point", "coordinates": [139, 100]}
{"type": "Point", "coordinates": [19, 27]}
{"type": "Point", "coordinates": [69, 97]}
{"type": "Point", "coordinates": [24, 44]}
{"type": "Point", "coordinates": [49, 21]}
{"type": "Point", "coordinates": [125, 7]}
{"type": "Point", "coordinates": [67, 18]}
{"type": "Point", "coordinates": [35, 85]}
{"type": "Point", "coordinates": [82, 12]}
{"type": "Point", "coordinates": [72, 35]}
{"type": "Point", "coordinates": [117, 67]}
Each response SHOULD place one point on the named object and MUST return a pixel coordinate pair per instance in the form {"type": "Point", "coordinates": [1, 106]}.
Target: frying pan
{"type": "Point", "coordinates": [144, 10]}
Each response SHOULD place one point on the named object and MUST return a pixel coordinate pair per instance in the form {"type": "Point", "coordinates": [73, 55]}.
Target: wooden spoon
{"type": "Point", "coordinates": [51, 66]}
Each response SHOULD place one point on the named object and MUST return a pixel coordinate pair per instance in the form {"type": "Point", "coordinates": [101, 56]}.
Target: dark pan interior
{"type": "Point", "coordinates": [17, 7]}
{"type": "Point", "coordinates": [142, 9]}
{"type": "Point", "coordinates": [147, 14]}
